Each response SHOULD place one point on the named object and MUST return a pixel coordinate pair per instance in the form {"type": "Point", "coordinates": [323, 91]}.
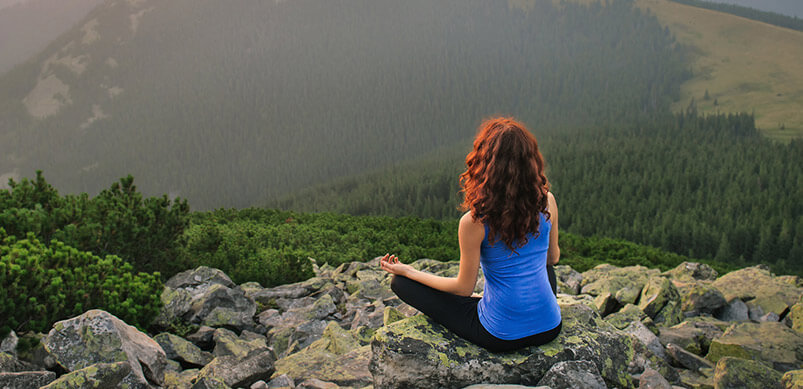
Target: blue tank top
{"type": "Point", "coordinates": [518, 300]}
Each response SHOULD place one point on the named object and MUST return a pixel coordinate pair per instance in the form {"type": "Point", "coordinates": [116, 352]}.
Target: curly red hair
{"type": "Point", "coordinates": [504, 185]}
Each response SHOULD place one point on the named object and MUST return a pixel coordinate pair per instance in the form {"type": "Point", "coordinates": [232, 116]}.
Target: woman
{"type": "Point", "coordinates": [511, 228]}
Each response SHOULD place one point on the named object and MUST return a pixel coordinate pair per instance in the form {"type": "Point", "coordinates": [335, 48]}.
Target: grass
{"type": "Point", "coordinates": [745, 65]}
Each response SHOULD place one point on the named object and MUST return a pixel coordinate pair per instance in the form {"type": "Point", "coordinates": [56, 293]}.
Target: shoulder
{"type": "Point", "coordinates": [471, 226]}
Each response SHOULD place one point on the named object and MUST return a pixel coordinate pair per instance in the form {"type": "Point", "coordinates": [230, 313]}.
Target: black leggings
{"type": "Point", "coordinates": [459, 314]}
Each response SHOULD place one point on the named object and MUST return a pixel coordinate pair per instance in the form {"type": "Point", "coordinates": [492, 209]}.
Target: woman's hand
{"type": "Point", "coordinates": [390, 263]}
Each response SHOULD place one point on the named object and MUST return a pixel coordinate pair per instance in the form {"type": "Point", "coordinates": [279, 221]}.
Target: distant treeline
{"type": "Point", "coordinates": [773, 18]}
{"type": "Point", "coordinates": [700, 186]}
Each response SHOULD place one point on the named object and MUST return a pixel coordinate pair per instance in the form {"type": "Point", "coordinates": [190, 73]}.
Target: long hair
{"type": "Point", "coordinates": [504, 185]}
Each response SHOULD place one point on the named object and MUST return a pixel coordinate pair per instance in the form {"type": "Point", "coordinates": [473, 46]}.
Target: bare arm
{"type": "Point", "coordinates": [470, 235]}
{"type": "Point", "coordinates": [553, 253]}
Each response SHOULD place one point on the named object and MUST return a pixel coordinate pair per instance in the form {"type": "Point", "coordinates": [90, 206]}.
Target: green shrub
{"type": "Point", "coordinates": [40, 285]}
{"type": "Point", "coordinates": [118, 221]}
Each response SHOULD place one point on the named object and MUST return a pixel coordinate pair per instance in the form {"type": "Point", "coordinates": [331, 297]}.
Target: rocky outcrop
{"type": "Point", "coordinates": [622, 327]}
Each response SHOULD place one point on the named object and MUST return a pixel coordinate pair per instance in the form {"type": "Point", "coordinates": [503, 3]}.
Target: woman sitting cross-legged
{"type": "Point", "coordinates": [511, 229]}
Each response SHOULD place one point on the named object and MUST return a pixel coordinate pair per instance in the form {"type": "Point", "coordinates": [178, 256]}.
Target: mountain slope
{"type": "Point", "coordinates": [227, 104]}
{"type": "Point", "coordinates": [745, 65]}
{"type": "Point", "coordinates": [27, 27]}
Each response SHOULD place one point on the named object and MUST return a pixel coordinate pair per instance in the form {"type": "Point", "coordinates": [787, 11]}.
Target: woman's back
{"type": "Point", "coordinates": [518, 299]}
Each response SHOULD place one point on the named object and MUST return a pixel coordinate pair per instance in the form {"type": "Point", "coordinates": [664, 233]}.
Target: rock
{"type": "Point", "coordinates": [371, 315]}
{"type": "Point", "coordinates": [734, 310]}
{"type": "Point", "coordinates": [502, 386]}
{"type": "Point", "coordinates": [796, 317]}
{"type": "Point", "coordinates": [9, 344]}
{"type": "Point", "coordinates": [228, 343]}
{"type": "Point", "coordinates": [692, 271]}
{"type": "Point", "coordinates": [771, 294]}
{"type": "Point", "coordinates": [183, 351]}
{"type": "Point", "coordinates": [281, 381]}
{"type": "Point", "coordinates": [772, 343]}
{"type": "Point", "coordinates": [646, 337]}
{"type": "Point", "coordinates": [694, 336]}
{"type": "Point", "coordinates": [644, 359]}
{"type": "Point", "coordinates": [240, 372]}
{"type": "Point", "coordinates": [651, 379]}
{"type": "Point", "coordinates": [336, 357]}
{"type": "Point", "coordinates": [210, 383]}
{"type": "Point", "coordinates": [792, 379]}
{"type": "Point", "coordinates": [202, 275]}
{"type": "Point", "coordinates": [569, 280]}
{"type": "Point", "coordinates": [696, 380]}
{"type": "Point", "coordinates": [697, 298]}
{"type": "Point", "coordinates": [628, 314]}
{"type": "Point", "coordinates": [686, 359]}
{"type": "Point", "coordinates": [624, 283]}
{"type": "Point", "coordinates": [97, 336]}
{"type": "Point", "coordinates": [99, 375]}
{"type": "Point", "coordinates": [660, 301]}
{"type": "Point", "coordinates": [314, 383]}
{"type": "Point", "coordinates": [391, 315]}
{"type": "Point", "coordinates": [772, 316]}
{"type": "Point", "coordinates": [11, 364]}
{"type": "Point", "coordinates": [203, 338]}
{"type": "Point", "coordinates": [260, 385]}
{"type": "Point", "coordinates": [606, 304]}
{"type": "Point", "coordinates": [573, 374]}
{"type": "Point", "coordinates": [740, 373]}
{"type": "Point", "coordinates": [26, 379]}
{"type": "Point", "coordinates": [417, 350]}
{"type": "Point", "coordinates": [180, 379]}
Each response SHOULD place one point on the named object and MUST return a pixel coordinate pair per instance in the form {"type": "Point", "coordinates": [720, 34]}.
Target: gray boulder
{"type": "Point", "coordinates": [182, 350]}
{"type": "Point", "coordinates": [239, 372]}
{"type": "Point", "coordinates": [573, 374]}
{"type": "Point", "coordinates": [417, 350]}
{"type": "Point", "coordinates": [26, 379]}
{"type": "Point", "coordinates": [740, 373]}
{"type": "Point", "coordinates": [651, 379]}
{"type": "Point", "coordinates": [569, 280]}
{"type": "Point", "coordinates": [734, 310]}
{"type": "Point", "coordinates": [99, 337]}
{"type": "Point", "coordinates": [660, 301]}
{"type": "Point", "coordinates": [99, 375]}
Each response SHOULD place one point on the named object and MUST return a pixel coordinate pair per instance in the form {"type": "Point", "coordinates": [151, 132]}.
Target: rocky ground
{"type": "Point", "coordinates": [622, 328]}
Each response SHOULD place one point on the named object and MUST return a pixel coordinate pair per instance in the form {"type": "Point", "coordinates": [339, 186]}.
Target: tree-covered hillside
{"type": "Point", "coordinates": [701, 186]}
{"type": "Point", "coordinates": [229, 103]}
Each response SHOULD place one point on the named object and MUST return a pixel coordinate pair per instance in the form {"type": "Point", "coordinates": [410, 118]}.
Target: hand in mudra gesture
{"type": "Point", "coordinates": [390, 263]}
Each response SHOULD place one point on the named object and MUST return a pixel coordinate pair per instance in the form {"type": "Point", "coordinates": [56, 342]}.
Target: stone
{"type": "Point", "coordinates": [734, 310]}
{"type": "Point", "coordinates": [260, 385]}
{"type": "Point", "coordinates": [391, 315]}
{"type": "Point", "coordinates": [767, 292]}
{"type": "Point", "coordinates": [573, 374]}
{"type": "Point", "coordinates": [624, 283]}
{"type": "Point", "coordinates": [630, 313]}
{"type": "Point", "coordinates": [502, 386]}
{"type": "Point", "coordinates": [9, 343]}
{"type": "Point", "coordinates": [26, 379]}
{"type": "Point", "coordinates": [314, 383]}
{"type": "Point", "coordinates": [646, 337]}
{"type": "Point", "coordinates": [772, 343]}
{"type": "Point", "coordinates": [697, 298]}
{"type": "Point", "coordinates": [417, 349]}
{"type": "Point", "coordinates": [203, 338]}
{"type": "Point", "coordinates": [336, 357]}
{"type": "Point", "coordinates": [199, 276]}
{"type": "Point", "coordinates": [651, 379]}
{"type": "Point", "coordinates": [210, 383]}
{"type": "Point", "coordinates": [99, 375]}
{"type": "Point", "coordinates": [182, 350]}
{"type": "Point", "coordinates": [772, 316]}
{"type": "Point", "coordinates": [281, 381]}
{"type": "Point", "coordinates": [569, 280]}
{"type": "Point", "coordinates": [694, 336]}
{"type": "Point", "coordinates": [696, 380]}
{"type": "Point", "coordinates": [796, 317]}
{"type": "Point", "coordinates": [692, 271]}
{"type": "Point", "coordinates": [240, 372]}
{"type": "Point", "coordinates": [686, 359]}
{"type": "Point", "coordinates": [792, 379]}
{"type": "Point", "coordinates": [180, 379]}
{"type": "Point", "coordinates": [98, 336]}
{"type": "Point", "coordinates": [740, 373]}
{"type": "Point", "coordinates": [644, 359]}
{"type": "Point", "coordinates": [228, 343]}
{"type": "Point", "coordinates": [370, 315]}
{"type": "Point", "coordinates": [606, 304]}
{"type": "Point", "coordinates": [660, 301]}
{"type": "Point", "coordinates": [11, 364]}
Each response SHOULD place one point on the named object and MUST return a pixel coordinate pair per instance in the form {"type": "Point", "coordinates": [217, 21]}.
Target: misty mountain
{"type": "Point", "coordinates": [784, 7]}
{"type": "Point", "coordinates": [229, 103]}
{"type": "Point", "coordinates": [26, 27]}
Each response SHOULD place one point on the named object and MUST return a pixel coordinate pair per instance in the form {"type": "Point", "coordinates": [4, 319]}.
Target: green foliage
{"type": "Point", "coordinates": [118, 221]}
{"type": "Point", "coordinates": [272, 247]}
{"type": "Point", "coordinates": [41, 284]}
